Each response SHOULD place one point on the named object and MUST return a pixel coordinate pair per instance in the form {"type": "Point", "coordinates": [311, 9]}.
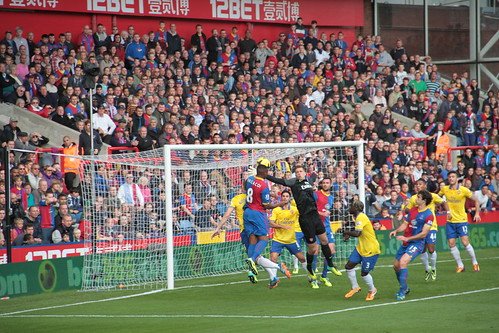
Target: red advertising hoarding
{"type": "Point", "coordinates": [327, 13]}
{"type": "Point", "coordinates": [43, 252]}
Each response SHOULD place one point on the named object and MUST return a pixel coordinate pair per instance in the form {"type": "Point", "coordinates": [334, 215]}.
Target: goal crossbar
{"type": "Point", "coordinates": [168, 149]}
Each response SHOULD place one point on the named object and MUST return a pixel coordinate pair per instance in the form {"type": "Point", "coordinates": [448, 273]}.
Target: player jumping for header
{"type": "Point", "coordinates": [256, 222]}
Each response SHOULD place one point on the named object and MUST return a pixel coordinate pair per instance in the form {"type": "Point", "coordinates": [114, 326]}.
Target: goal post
{"type": "Point", "coordinates": [358, 145]}
{"type": "Point", "coordinates": [164, 235]}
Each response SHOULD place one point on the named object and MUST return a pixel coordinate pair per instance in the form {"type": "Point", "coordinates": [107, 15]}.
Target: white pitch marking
{"type": "Point", "coordinates": [176, 289]}
{"type": "Point", "coordinates": [84, 302]}
{"type": "Point", "coordinates": [163, 316]}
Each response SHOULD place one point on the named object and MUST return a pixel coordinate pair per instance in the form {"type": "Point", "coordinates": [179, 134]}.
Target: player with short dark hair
{"type": "Point", "coordinates": [415, 229]}
{"type": "Point", "coordinates": [283, 220]}
{"type": "Point", "coordinates": [310, 221]}
{"type": "Point", "coordinates": [431, 238]}
{"type": "Point", "coordinates": [325, 199]}
{"type": "Point", "coordinates": [366, 251]}
{"type": "Point", "coordinates": [256, 222]}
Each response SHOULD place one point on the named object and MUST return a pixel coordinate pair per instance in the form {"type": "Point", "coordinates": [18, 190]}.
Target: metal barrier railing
{"type": "Point", "coordinates": [451, 149]}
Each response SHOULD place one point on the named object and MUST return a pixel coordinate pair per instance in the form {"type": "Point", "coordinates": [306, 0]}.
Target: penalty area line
{"type": "Point", "coordinates": [170, 316]}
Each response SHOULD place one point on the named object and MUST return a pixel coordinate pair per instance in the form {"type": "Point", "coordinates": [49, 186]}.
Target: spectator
{"type": "Point", "coordinates": [394, 204]}
{"type": "Point", "coordinates": [483, 196]}
{"type": "Point", "coordinates": [64, 232]}
{"type": "Point", "coordinates": [86, 140]}
{"type": "Point", "coordinates": [130, 194]}
{"type": "Point", "coordinates": [47, 213]}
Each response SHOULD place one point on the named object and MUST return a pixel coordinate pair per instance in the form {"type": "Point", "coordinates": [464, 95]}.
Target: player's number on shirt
{"type": "Point", "coordinates": [249, 195]}
{"type": "Point", "coordinates": [465, 229]}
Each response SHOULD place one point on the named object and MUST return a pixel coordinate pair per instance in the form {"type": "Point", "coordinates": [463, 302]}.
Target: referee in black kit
{"type": "Point", "coordinates": [310, 221]}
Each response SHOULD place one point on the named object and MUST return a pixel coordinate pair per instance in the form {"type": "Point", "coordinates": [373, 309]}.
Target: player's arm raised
{"type": "Point", "coordinates": [282, 181]}
{"type": "Point", "coordinates": [223, 221]}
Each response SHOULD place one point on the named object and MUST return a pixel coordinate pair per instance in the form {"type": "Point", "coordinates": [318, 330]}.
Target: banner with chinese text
{"type": "Point", "coordinates": [327, 13]}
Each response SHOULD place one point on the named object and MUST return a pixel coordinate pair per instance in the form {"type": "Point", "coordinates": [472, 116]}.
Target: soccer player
{"type": "Point", "coordinates": [431, 238]}
{"type": "Point", "coordinates": [237, 205]}
{"type": "Point", "coordinates": [309, 219]}
{"type": "Point", "coordinates": [299, 241]}
{"type": "Point", "coordinates": [416, 227]}
{"type": "Point", "coordinates": [325, 199]}
{"type": "Point", "coordinates": [457, 219]}
{"type": "Point", "coordinates": [366, 251]}
{"type": "Point", "coordinates": [256, 222]}
{"type": "Point", "coordinates": [283, 220]}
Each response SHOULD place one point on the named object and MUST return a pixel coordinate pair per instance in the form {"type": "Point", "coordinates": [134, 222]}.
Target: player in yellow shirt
{"type": "Point", "coordinates": [457, 219]}
{"type": "Point", "coordinates": [283, 220]}
{"type": "Point", "coordinates": [431, 237]}
{"type": "Point", "coordinates": [236, 205]}
{"type": "Point", "coordinates": [366, 251]}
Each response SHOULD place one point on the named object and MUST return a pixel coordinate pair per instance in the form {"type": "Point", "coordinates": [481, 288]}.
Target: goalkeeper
{"type": "Point", "coordinates": [309, 220]}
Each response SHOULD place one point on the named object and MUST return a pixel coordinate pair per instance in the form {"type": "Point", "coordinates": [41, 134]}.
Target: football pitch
{"type": "Point", "coordinates": [466, 302]}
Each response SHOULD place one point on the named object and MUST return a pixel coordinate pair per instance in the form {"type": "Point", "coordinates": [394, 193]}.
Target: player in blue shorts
{"type": "Point", "coordinates": [457, 220]}
{"type": "Point", "coordinates": [256, 222]}
{"type": "Point", "coordinates": [415, 229]}
{"type": "Point", "coordinates": [366, 251]}
{"type": "Point", "coordinates": [283, 220]}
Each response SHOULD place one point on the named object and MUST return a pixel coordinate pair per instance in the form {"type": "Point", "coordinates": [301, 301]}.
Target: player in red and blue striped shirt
{"type": "Point", "coordinates": [415, 227]}
{"type": "Point", "coordinates": [256, 222]}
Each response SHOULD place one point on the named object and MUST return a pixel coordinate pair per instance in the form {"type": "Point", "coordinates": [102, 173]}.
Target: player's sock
{"type": "Point", "coordinates": [266, 263]}
{"type": "Point", "coordinates": [324, 269]}
{"type": "Point", "coordinates": [326, 250]}
{"type": "Point", "coordinates": [259, 248]}
{"type": "Point", "coordinates": [457, 257]}
{"type": "Point", "coordinates": [433, 259]}
{"type": "Point", "coordinates": [295, 262]}
{"type": "Point", "coordinates": [314, 262]}
{"type": "Point", "coordinates": [251, 250]}
{"type": "Point", "coordinates": [397, 273]}
{"type": "Point", "coordinates": [353, 278]}
{"type": "Point", "coordinates": [272, 272]}
{"type": "Point", "coordinates": [404, 272]}
{"type": "Point", "coordinates": [310, 262]}
{"type": "Point", "coordinates": [304, 265]}
{"type": "Point", "coordinates": [424, 260]}
{"type": "Point", "coordinates": [471, 252]}
{"type": "Point", "coordinates": [368, 279]}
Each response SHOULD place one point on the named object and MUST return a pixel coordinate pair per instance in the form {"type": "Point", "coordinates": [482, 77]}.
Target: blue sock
{"type": "Point", "coordinates": [397, 273]}
{"type": "Point", "coordinates": [324, 269]}
{"type": "Point", "coordinates": [259, 247]}
{"type": "Point", "coordinates": [404, 272]}
{"type": "Point", "coordinates": [314, 263]}
{"type": "Point", "coordinates": [251, 250]}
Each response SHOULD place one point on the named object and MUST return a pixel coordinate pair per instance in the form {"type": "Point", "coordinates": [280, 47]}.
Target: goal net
{"type": "Point", "coordinates": [153, 214]}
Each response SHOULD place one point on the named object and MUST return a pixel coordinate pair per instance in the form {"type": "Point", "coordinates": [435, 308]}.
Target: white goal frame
{"type": "Point", "coordinates": [168, 149]}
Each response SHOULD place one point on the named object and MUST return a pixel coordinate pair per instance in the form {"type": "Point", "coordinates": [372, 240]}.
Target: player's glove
{"type": "Point", "coordinates": [251, 171]}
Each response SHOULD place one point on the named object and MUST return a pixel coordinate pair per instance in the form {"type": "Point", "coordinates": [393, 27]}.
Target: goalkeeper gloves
{"type": "Point", "coordinates": [251, 171]}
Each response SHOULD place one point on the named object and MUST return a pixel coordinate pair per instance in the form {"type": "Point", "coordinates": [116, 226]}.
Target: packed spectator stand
{"type": "Point", "coordinates": [166, 87]}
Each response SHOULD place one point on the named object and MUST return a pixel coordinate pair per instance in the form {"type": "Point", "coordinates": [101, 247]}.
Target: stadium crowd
{"type": "Point", "coordinates": [161, 88]}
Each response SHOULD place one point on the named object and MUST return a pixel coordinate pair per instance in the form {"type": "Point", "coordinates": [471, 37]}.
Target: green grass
{"type": "Point", "coordinates": [234, 305]}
